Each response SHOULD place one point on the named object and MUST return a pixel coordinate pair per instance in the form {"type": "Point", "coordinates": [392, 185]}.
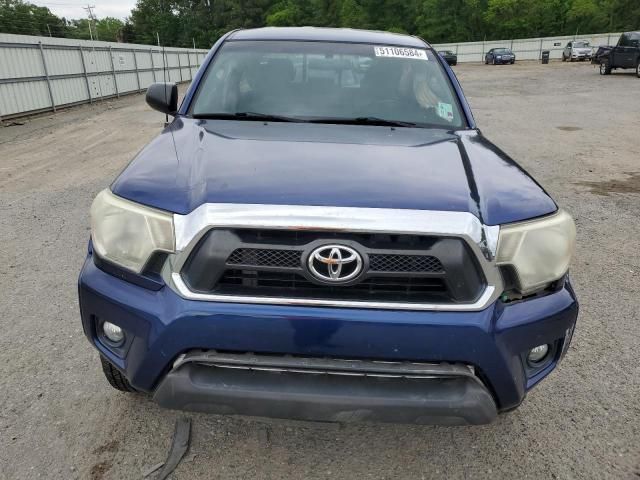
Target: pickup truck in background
{"type": "Point", "coordinates": [626, 54]}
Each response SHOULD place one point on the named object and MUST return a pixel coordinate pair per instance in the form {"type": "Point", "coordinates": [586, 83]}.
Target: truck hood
{"type": "Point", "coordinates": [212, 161]}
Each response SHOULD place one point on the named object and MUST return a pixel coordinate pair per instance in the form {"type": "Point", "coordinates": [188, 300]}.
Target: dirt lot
{"type": "Point", "coordinates": [575, 131]}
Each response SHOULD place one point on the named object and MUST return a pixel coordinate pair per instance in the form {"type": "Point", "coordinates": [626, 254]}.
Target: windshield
{"type": "Point", "coordinates": [581, 45]}
{"type": "Point", "coordinates": [502, 50]}
{"type": "Point", "coordinates": [327, 82]}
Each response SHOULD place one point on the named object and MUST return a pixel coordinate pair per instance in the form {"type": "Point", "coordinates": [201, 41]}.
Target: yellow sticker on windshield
{"type": "Point", "coordinates": [400, 52]}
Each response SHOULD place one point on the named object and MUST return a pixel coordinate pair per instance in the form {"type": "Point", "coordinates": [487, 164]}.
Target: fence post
{"type": "Point", "coordinates": [84, 71]}
{"type": "Point", "coordinates": [113, 72]}
{"type": "Point", "coordinates": [540, 54]}
{"type": "Point", "coordinates": [180, 67]}
{"type": "Point", "coordinates": [135, 65]}
{"type": "Point", "coordinates": [46, 74]}
{"type": "Point", "coordinates": [153, 67]}
{"type": "Point", "coordinates": [482, 57]}
{"type": "Point", "coordinates": [190, 68]}
{"type": "Point", "coordinates": [609, 39]}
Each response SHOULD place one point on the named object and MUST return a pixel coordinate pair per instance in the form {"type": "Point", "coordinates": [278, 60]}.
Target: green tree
{"type": "Point", "coordinates": [285, 14]}
{"type": "Point", "coordinates": [23, 18]}
{"type": "Point", "coordinates": [80, 29]}
{"type": "Point", "coordinates": [153, 18]}
{"type": "Point", "coordinates": [109, 29]}
{"type": "Point", "coordinates": [586, 16]}
{"type": "Point", "coordinates": [451, 20]}
{"type": "Point", "coordinates": [353, 15]}
{"type": "Point", "coordinates": [509, 18]}
{"type": "Point", "coordinates": [183, 22]}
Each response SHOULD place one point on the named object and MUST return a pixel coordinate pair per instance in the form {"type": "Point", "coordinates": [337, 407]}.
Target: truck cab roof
{"type": "Point", "coordinates": [316, 34]}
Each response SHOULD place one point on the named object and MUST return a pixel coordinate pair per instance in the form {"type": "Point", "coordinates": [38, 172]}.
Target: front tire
{"type": "Point", "coordinates": [564, 59]}
{"type": "Point", "coordinates": [115, 378]}
{"type": "Point", "coordinates": [605, 69]}
{"type": "Point", "coordinates": [638, 69]}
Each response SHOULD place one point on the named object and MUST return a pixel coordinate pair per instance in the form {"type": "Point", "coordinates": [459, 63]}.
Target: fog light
{"type": "Point", "coordinates": [113, 332]}
{"type": "Point", "coordinates": [537, 354]}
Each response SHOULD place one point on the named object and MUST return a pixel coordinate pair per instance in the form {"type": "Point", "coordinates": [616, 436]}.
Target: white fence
{"type": "Point", "coordinates": [525, 49]}
{"type": "Point", "coordinates": [39, 74]}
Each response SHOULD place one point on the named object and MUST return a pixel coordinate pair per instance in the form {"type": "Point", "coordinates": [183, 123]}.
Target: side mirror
{"type": "Point", "coordinates": [163, 97]}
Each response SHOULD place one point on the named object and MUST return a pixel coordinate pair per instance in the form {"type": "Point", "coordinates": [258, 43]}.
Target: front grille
{"type": "Point", "coordinates": [254, 257]}
{"type": "Point", "coordinates": [265, 258]}
{"type": "Point", "coordinates": [405, 263]}
{"type": "Point", "coordinates": [268, 283]}
{"type": "Point", "coordinates": [273, 263]}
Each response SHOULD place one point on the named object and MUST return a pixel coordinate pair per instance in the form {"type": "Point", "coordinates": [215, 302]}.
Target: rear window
{"type": "Point", "coordinates": [630, 39]}
{"type": "Point", "coordinates": [324, 80]}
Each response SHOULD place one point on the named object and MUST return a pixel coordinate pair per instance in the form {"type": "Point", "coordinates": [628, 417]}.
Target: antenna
{"type": "Point", "coordinates": [164, 73]}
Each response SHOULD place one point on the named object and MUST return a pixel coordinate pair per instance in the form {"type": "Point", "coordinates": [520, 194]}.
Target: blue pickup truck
{"type": "Point", "coordinates": [323, 233]}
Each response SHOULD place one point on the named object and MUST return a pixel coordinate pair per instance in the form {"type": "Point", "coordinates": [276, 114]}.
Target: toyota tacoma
{"type": "Point", "coordinates": [321, 232]}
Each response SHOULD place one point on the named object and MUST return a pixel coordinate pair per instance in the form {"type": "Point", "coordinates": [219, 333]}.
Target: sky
{"type": "Point", "coordinates": [73, 8]}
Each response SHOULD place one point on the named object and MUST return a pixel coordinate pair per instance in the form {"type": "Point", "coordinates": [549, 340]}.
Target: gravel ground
{"type": "Point", "coordinates": [575, 131]}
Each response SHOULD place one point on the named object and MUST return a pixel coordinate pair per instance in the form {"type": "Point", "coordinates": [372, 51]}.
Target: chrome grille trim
{"type": "Point", "coordinates": [190, 228]}
{"type": "Point", "coordinates": [482, 240]}
{"type": "Point", "coordinates": [484, 300]}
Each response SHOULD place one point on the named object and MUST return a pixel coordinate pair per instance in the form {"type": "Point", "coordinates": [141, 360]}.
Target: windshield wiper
{"type": "Point", "coordinates": [365, 121]}
{"type": "Point", "coordinates": [249, 116]}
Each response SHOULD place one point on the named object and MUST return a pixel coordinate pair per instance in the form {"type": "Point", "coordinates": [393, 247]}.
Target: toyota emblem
{"type": "Point", "coordinates": [335, 263]}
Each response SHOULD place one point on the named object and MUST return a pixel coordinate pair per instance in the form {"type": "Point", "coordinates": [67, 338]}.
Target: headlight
{"type": "Point", "coordinates": [126, 233]}
{"type": "Point", "coordinates": [538, 250]}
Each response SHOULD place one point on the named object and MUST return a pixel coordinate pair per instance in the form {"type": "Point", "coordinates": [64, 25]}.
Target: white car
{"type": "Point", "coordinates": [577, 50]}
